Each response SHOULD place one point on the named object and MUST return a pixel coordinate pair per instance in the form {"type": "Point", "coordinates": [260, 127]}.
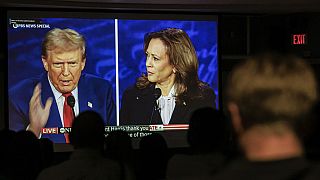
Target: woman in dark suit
{"type": "Point", "coordinates": [171, 89]}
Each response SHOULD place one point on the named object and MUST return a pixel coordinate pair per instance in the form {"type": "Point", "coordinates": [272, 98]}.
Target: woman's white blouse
{"type": "Point", "coordinates": [166, 105]}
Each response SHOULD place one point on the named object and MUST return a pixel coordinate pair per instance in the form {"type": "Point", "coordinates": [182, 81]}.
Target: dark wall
{"type": "Point", "coordinates": [249, 34]}
{"type": "Point", "coordinates": [233, 34]}
{"type": "Point", "coordinates": [244, 35]}
{"type": "Point", "coordinates": [268, 33]}
{"type": "Point", "coordinates": [2, 69]}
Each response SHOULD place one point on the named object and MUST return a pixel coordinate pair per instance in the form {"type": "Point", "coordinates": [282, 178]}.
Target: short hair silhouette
{"type": "Point", "coordinates": [118, 145]}
{"type": "Point", "coordinates": [153, 141]}
{"type": "Point", "coordinates": [87, 130]}
{"type": "Point", "coordinates": [153, 157]}
{"type": "Point", "coordinates": [208, 130]}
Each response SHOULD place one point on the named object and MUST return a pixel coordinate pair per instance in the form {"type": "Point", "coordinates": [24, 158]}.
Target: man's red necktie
{"type": "Point", "coordinates": [67, 115]}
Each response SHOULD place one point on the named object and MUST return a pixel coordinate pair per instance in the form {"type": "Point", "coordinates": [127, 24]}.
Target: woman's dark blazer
{"type": "Point", "coordinates": [137, 107]}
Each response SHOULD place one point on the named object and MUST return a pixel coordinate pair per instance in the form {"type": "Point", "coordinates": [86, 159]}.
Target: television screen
{"type": "Point", "coordinates": [114, 58]}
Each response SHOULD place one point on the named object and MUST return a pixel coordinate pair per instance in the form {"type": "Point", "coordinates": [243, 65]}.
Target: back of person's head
{"type": "Point", "coordinates": [87, 130]}
{"type": "Point", "coordinates": [6, 138]}
{"type": "Point", "coordinates": [27, 140]}
{"type": "Point", "coordinates": [26, 157]}
{"type": "Point", "coordinates": [7, 148]}
{"type": "Point", "coordinates": [63, 40]}
{"type": "Point", "coordinates": [208, 130]}
{"type": "Point", "coordinates": [270, 89]}
{"type": "Point", "coordinates": [153, 157]}
{"type": "Point", "coordinates": [47, 152]}
{"type": "Point", "coordinates": [153, 142]}
{"type": "Point", "coordinates": [118, 145]}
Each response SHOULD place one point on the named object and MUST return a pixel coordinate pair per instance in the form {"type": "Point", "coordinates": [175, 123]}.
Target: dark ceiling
{"type": "Point", "coordinates": [219, 6]}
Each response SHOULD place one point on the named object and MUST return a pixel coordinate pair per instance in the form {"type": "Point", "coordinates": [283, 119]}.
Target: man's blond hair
{"type": "Point", "coordinates": [63, 40]}
{"type": "Point", "coordinates": [272, 88]}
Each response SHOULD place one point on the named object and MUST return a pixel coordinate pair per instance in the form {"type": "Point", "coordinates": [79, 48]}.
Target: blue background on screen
{"type": "Point", "coordinates": [203, 35]}
{"type": "Point", "coordinates": [24, 48]}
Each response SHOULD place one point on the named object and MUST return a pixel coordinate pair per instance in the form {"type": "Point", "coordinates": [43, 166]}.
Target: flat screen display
{"type": "Point", "coordinates": [114, 53]}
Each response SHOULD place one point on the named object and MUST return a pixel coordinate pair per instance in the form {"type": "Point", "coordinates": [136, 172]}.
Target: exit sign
{"type": "Point", "coordinates": [299, 39]}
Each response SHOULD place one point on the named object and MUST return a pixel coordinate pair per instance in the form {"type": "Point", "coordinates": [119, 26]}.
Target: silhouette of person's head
{"type": "Point", "coordinates": [87, 131]}
{"type": "Point", "coordinates": [208, 130]}
{"type": "Point", "coordinates": [7, 148]}
{"type": "Point", "coordinates": [154, 142]}
{"type": "Point", "coordinates": [28, 155]}
{"type": "Point", "coordinates": [153, 147]}
{"type": "Point", "coordinates": [47, 152]}
{"type": "Point", "coordinates": [27, 141]}
{"type": "Point", "coordinates": [118, 145]}
{"type": "Point", "coordinates": [6, 139]}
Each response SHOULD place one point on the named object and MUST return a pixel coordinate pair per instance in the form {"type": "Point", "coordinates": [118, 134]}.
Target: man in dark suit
{"type": "Point", "coordinates": [40, 102]}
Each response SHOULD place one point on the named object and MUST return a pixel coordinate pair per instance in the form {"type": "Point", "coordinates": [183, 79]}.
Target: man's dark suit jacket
{"type": "Point", "coordinates": [137, 107]}
{"type": "Point", "coordinates": [92, 91]}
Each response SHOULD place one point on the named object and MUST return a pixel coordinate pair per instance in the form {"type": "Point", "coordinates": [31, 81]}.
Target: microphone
{"type": "Point", "coordinates": [71, 102]}
{"type": "Point", "coordinates": [156, 94]}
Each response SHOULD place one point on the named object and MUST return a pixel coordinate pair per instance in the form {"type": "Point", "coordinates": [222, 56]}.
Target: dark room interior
{"type": "Point", "coordinates": [244, 28]}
